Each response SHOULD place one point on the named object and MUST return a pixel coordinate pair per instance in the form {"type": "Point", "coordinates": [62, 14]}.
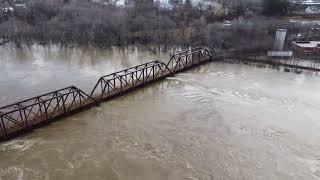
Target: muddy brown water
{"type": "Point", "coordinates": [216, 121]}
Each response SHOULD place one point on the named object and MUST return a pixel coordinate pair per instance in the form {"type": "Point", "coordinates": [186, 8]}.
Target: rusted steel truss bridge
{"type": "Point", "coordinates": [29, 114]}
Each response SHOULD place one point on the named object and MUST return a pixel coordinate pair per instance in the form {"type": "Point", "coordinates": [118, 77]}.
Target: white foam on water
{"type": "Point", "coordinates": [19, 145]}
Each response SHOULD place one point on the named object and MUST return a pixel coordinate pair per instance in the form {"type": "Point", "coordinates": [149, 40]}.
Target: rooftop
{"type": "Point", "coordinates": [307, 44]}
{"type": "Point", "coordinates": [306, 2]}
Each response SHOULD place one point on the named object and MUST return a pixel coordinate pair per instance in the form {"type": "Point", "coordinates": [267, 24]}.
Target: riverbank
{"type": "Point", "coordinates": [89, 24]}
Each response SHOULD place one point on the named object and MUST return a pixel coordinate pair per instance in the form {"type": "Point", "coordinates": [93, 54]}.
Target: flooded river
{"type": "Point", "coordinates": [217, 121]}
{"type": "Point", "coordinates": [35, 70]}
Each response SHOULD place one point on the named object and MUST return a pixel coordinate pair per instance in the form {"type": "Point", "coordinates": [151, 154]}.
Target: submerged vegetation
{"type": "Point", "coordinates": [87, 23]}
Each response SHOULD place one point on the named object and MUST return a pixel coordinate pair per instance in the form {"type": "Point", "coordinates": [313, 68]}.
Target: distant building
{"type": "Point", "coordinates": [7, 7]}
{"type": "Point", "coordinates": [305, 2]}
{"type": "Point", "coordinates": [279, 39]}
{"type": "Point", "coordinates": [306, 47]}
{"type": "Point", "coordinates": [309, 6]}
{"type": "Point", "coordinates": [278, 45]}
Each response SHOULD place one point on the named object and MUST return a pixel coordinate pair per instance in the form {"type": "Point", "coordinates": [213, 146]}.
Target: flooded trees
{"type": "Point", "coordinates": [242, 35]}
{"type": "Point", "coordinates": [88, 23]}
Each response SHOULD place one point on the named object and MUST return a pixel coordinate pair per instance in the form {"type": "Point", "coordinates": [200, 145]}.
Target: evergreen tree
{"type": "Point", "coordinates": [274, 7]}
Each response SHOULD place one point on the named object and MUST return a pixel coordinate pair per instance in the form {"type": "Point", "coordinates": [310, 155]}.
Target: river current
{"type": "Point", "coordinates": [216, 121]}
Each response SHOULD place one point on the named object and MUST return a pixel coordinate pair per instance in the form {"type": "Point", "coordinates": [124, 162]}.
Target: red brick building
{"type": "Point", "coordinates": [306, 47]}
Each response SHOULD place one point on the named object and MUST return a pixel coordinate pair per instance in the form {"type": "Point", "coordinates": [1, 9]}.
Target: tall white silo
{"type": "Point", "coordinates": [279, 40]}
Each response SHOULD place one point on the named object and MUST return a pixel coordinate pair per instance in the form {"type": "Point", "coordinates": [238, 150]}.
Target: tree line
{"type": "Point", "coordinates": [85, 23]}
